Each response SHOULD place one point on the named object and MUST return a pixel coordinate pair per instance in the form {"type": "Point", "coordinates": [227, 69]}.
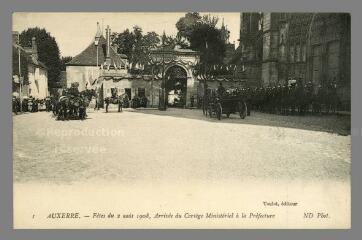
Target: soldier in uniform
{"type": "Point", "coordinates": [308, 95]}
{"type": "Point", "coordinates": [284, 99]}
{"type": "Point", "coordinates": [318, 100]}
{"type": "Point", "coordinates": [267, 100]}
{"type": "Point", "coordinates": [300, 98]}
{"type": "Point", "coordinates": [292, 98]}
{"type": "Point", "coordinates": [332, 97]}
{"type": "Point", "coordinates": [248, 97]}
{"type": "Point", "coordinates": [262, 99]}
{"type": "Point", "coordinates": [278, 99]}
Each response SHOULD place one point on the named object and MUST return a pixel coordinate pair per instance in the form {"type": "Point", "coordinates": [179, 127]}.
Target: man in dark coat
{"type": "Point", "coordinates": [221, 90]}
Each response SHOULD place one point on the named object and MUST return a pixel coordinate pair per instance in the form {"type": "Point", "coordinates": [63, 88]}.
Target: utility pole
{"type": "Point", "coordinates": [308, 52]}
{"type": "Point", "coordinates": [21, 82]}
{"type": "Point", "coordinates": [205, 78]}
{"type": "Point", "coordinates": [153, 77]}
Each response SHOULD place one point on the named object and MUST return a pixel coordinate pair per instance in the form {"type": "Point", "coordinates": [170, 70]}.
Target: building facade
{"type": "Point", "coordinates": [310, 47]}
{"type": "Point", "coordinates": [84, 68]}
{"type": "Point", "coordinates": [100, 67]}
{"type": "Point", "coordinates": [36, 84]}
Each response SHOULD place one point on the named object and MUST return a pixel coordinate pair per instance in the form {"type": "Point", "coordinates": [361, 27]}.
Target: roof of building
{"type": "Point", "coordinates": [31, 59]}
{"type": "Point", "coordinates": [88, 57]}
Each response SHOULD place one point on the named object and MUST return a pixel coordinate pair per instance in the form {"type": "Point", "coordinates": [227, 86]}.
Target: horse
{"type": "Point", "coordinates": [83, 104]}
{"type": "Point", "coordinates": [62, 107]}
{"type": "Point", "coordinates": [116, 100]}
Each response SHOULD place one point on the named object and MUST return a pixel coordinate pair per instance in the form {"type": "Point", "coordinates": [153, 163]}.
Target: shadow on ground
{"type": "Point", "coordinates": [338, 124]}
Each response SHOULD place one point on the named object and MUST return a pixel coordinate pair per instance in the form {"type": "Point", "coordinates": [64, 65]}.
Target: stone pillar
{"type": "Point", "coordinates": [270, 50]}
{"type": "Point", "coordinates": [191, 88]}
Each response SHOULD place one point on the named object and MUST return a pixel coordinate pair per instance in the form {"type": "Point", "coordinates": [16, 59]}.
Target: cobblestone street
{"type": "Point", "coordinates": [177, 145]}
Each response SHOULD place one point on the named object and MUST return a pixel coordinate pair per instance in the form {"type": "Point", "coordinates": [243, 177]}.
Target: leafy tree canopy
{"type": "Point", "coordinates": [136, 45]}
{"type": "Point", "coordinates": [48, 50]}
{"type": "Point", "coordinates": [203, 36]}
{"type": "Point", "coordinates": [186, 25]}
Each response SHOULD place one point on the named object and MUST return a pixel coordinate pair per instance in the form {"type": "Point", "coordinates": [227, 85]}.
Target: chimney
{"type": "Point", "coordinates": [15, 37]}
{"type": "Point", "coordinates": [108, 33]}
{"type": "Point", "coordinates": [34, 48]}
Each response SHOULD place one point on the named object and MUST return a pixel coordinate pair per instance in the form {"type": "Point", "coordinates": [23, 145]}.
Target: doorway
{"type": "Point", "coordinates": [176, 86]}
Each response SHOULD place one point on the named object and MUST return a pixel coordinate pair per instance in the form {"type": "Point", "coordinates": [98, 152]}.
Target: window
{"type": "Point", "coordinates": [141, 92]}
{"type": "Point", "coordinates": [128, 92]}
{"type": "Point", "coordinates": [297, 53]}
{"type": "Point", "coordinates": [304, 52]}
{"type": "Point", "coordinates": [291, 53]}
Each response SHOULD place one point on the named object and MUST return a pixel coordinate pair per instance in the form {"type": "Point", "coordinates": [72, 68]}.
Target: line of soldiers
{"type": "Point", "coordinates": [292, 99]}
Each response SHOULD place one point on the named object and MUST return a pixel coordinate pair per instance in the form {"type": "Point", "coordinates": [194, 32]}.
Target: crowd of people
{"type": "Point", "coordinates": [291, 98]}
{"type": "Point", "coordinates": [288, 99]}
{"type": "Point", "coordinates": [30, 104]}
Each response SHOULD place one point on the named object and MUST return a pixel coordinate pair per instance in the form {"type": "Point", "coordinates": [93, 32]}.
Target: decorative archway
{"type": "Point", "coordinates": [167, 59]}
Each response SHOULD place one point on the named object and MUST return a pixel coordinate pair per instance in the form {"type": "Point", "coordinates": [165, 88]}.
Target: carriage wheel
{"type": "Point", "coordinates": [218, 111]}
{"type": "Point", "coordinates": [242, 109]}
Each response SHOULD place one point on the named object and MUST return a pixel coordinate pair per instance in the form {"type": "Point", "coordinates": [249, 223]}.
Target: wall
{"type": "Point", "coordinates": [38, 82]}
{"type": "Point", "coordinates": [82, 75]}
{"type": "Point", "coordinates": [151, 88]}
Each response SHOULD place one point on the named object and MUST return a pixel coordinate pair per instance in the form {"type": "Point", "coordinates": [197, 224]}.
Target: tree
{"type": "Point", "coordinates": [203, 36]}
{"type": "Point", "coordinates": [48, 50]}
{"type": "Point", "coordinates": [136, 45]}
{"type": "Point", "coordinates": [125, 42]}
{"type": "Point", "coordinates": [186, 25]}
{"type": "Point", "coordinates": [63, 61]}
{"type": "Point", "coordinates": [178, 40]}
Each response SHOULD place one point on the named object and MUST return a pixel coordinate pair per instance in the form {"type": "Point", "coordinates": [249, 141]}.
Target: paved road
{"type": "Point", "coordinates": [179, 144]}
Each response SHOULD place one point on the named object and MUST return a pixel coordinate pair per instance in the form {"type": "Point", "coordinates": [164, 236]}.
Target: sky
{"type": "Point", "coordinates": [75, 31]}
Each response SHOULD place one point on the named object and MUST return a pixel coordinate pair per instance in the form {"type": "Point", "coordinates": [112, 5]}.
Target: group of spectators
{"type": "Point", "coordinates": [30, 104]}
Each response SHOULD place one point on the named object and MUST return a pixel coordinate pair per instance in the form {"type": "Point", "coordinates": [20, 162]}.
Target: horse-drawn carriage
{"type": "Point", "coordinates": [228, 103]}
{"type": "Point", "coordinates": [71, 105]}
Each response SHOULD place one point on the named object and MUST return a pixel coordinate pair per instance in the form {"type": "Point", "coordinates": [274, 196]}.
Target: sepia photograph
{"type": "Point", "coordinates": [181, 120]}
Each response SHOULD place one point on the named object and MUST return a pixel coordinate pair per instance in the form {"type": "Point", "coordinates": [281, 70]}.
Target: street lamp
{"type": "Point", "coordinates": [162, 106]}
{"type": "Point", "coordinates": [96, 43]}
{"type": "Point", "coordinates": [21, 80]}
{"type": "Point", "coordinates": [96, 40]}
